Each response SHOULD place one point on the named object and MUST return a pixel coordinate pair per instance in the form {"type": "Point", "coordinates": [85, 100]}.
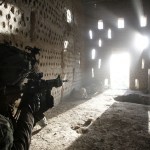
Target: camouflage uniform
{"type": "Point", "coordinates": [18, 138]}
{"type": "Point", "coordinates": [6, 133]}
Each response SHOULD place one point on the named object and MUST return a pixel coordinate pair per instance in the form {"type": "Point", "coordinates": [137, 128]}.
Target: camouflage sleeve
{"type": "Point", "coordinates": [23, 131]}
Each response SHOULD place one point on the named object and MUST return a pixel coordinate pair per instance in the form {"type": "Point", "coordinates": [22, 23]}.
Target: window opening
{"type": "Point", "coordinates": [100, 43]}
{"type": "Point", "coordinates": [143, 63]}
{"type": "Point", "coordinates": [93, 53]}
{"type": "Point", "coordinates": [66, 43]}
{"type": "Point", "coordinates": [136, 84]}
{"type": "Point", "coordinates": [141, 42]}
{"type": "Point", "coordinates": [100, 25]}
{"type": "Point", "coordinates": [121, 23]}
{"type": "Point", "coordinates": [109, 34]}
{"type": "Point", "coordinates": [143, 21]}
{"type": "Point", "coordinates": [91, 34]}
{"type": "Point", "coordinates": [69, 16]}
{"type": "Point", "coordinates": [92, 72]}
{"type": "Point", "coordinates": [106, 83]}
{"type": "Point", "coordinates": [99, 63]}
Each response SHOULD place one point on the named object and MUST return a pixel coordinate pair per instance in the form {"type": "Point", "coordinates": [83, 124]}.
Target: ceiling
{"type": "Point", "coordinates": [97, 1]}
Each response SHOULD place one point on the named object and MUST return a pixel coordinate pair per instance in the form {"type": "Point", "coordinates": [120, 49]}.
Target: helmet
{"type": "Point", "coordinates": [6, 133]}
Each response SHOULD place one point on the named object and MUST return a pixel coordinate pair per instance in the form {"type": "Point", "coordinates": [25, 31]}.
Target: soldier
{"type": "Point", "coordinates": [18, 136]}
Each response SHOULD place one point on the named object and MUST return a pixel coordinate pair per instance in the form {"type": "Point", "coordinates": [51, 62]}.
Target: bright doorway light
{"type": "Point", "coordinates": [119, 70]}
{"type": "Point", "coordinates": [141, 42]}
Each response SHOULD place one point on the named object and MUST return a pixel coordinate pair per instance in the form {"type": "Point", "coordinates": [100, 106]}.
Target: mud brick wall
{"type": "Point", "coordinates": [141, 75]}
{"type": "Point", "coordinates": [139, 72]}
{"type": "Point", "coordinates": [43, 24]}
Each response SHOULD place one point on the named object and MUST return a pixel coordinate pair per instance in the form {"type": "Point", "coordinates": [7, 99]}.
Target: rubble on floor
{"type": "Point", "coordinates": [100, 123]}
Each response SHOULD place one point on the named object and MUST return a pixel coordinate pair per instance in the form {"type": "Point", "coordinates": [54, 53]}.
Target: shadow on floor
{"type": "Point", "coordinates": [134, 98]}
{"type": "Point", "coordinates": [124, 126]}
{"type": "Point", "coordinates": [69, 103]}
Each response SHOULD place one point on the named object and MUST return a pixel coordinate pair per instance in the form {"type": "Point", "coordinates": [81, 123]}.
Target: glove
{"type": "Point", "coordinates": [46, 102]}
{"type": "Point", "coordinates": [34, 104]}
{"type": "Point", "coordinates": [32, 101]}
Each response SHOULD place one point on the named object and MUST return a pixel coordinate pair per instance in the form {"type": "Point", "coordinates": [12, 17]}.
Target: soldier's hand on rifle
{"type": "Point", "coordinates": [34, 104]}
{"type": "Point", "coordinates": [31, 101]}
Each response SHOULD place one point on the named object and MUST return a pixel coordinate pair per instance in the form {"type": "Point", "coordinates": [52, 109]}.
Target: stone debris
{"type": "Point", "coordinates": [100, 123]}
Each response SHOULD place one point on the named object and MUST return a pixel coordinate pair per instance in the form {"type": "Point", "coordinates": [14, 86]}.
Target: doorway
{"type": "Point", "coordinates": [119, 70]}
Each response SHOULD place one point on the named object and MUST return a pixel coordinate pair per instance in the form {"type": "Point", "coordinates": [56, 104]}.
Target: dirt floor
{"type": "Point", "coordinates": [100, 123]}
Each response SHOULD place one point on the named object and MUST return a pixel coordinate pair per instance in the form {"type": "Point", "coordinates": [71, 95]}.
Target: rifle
{"type": "Point", "coordinates": [36, 87]}
{"type": "Point", "coordinates": [39, 89]}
